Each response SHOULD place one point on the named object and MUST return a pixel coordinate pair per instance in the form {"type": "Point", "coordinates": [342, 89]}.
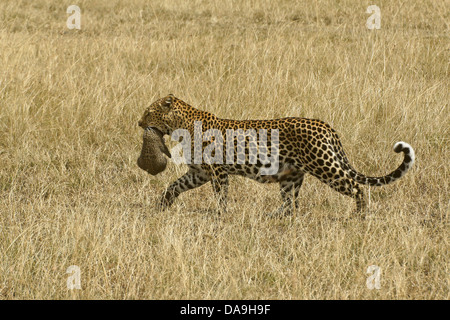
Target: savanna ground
{"type": "Point", "coordinates": [71, 192]}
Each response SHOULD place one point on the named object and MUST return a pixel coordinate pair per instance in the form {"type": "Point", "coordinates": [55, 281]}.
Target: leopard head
{"type": "Point", "coordinates": [162, 115]}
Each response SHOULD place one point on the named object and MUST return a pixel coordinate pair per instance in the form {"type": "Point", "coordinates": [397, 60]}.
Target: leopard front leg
{"type": "Point", "coordinates": [194, 178]}
{"type": "Point", "coordinates": [220, 182]}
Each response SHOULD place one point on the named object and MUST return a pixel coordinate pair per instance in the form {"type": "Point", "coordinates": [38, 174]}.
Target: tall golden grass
{"type": "Point", "coordinates": [72, 194]}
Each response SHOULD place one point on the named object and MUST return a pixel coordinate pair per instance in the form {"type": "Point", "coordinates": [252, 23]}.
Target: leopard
{"type": "Point", "coordinates": [304, 146]}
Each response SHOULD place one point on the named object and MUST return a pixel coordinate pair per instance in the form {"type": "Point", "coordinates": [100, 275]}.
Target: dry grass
{"type": "Point", "coordinates": [72, 194]}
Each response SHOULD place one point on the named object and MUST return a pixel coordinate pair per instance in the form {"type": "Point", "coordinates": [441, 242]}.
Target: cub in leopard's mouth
{"type": "Point", "coordinates": [152, 157]}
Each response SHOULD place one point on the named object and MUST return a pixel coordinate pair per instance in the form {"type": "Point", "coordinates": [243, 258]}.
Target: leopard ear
{"type": "Point", "coordinates": [166, 105]}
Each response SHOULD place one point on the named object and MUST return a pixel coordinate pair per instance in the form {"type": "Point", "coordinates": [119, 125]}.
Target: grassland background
{"type": "Point", "coordinates": [72, 194]}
